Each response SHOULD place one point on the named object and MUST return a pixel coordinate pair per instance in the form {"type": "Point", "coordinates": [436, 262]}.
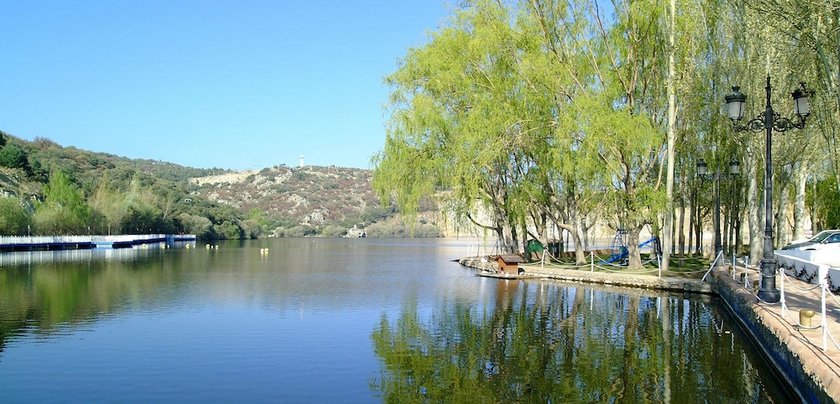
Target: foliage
{"type": "Point", "coordinates": [397, 228]}
{"type": "Point", "coordinates": [298, 231]}
{"type": "Point", "coordinates": [333, 231]}
{"type": "Point", "coordinates": [15, 219]}
{"type": "Point", "coordinates": [499, 112]}
{"type": "Point", "coordinates": [198, 225]}
{"type": "Point", "coordinates": [64, 210]}
{"type": "Point", "coordinates": [105, 194]}
{"type": "Point", "coordinates": [825, 200]}
{"type": "Point", "coordinates": [553, 113]}
{"type": "Point", "coordinates": [13, 156]}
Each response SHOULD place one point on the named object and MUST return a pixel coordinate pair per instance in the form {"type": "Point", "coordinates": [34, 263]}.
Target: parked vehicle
{"type": "Point", "coordinates": [823, 239]}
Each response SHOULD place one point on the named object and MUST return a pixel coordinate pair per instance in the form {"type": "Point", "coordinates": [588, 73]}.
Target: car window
{"type": "Point", "coordinates": [835, 238]}
{"type": "Point", "coordinates": [820, 236]}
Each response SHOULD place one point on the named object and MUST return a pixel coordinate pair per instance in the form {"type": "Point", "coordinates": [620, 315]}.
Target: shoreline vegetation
{"type": "Point", "coordinates": [47, 189]}
{"type": "Point", "coordinates": [544, 120]}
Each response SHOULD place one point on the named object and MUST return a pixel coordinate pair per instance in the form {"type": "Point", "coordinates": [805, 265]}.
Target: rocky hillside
{"type": "Point", "coordinates": [305, 201]}
{"type": "Point", "coordinates": [133, 195]}
{"type": "Point", "coordinates": [309, 197]}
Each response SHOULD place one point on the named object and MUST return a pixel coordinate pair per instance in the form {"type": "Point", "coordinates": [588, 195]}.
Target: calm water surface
{"type": "Point", "coordinates": [334, 320]}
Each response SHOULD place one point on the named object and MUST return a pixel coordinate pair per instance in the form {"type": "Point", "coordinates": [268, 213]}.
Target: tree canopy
{"type": "Point", "coordinates": [526, 116]}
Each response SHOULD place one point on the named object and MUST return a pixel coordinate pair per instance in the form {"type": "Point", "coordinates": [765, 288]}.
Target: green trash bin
{"type": "Point", "coordinates": [535, 246]}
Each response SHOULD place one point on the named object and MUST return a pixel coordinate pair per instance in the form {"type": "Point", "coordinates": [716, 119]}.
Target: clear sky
{"type": "Point", "coordinates": [230, 84]}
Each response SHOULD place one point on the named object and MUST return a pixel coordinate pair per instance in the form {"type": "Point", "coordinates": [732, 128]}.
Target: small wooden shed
{"type": "Point", "coordinates": [509, 263]}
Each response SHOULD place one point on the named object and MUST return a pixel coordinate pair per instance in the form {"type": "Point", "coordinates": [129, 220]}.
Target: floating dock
{"type": "Point", "coordinates": [55, 243]}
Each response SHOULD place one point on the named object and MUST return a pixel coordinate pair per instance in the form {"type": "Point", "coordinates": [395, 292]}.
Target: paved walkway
{"type": "Point", "coordinates": [806, 343]}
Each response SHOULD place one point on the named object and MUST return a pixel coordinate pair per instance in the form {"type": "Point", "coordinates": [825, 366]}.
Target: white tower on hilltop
{"type": "Point", "coordinates": [300, 161]}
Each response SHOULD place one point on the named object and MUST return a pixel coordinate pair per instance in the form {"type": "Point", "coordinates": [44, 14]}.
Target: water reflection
{"type": "Point", "coordinates": [233, 324]}
{"type": "Point", "coordinates": [544, 342]}
{"type": "Point", "coordinates": [42, 290]}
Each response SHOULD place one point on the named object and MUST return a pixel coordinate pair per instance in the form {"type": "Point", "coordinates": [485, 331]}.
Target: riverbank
{"type": "Point", "coordinates": [53, 243]}
{"type": "Point", "coordinates": [671, 282]}
{"type": "Point", "coordinates": [796, 352]}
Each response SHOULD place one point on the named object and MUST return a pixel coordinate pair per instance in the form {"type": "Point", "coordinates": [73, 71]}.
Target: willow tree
{"type": "Point", "coordinates": [566, 181]}
{"type": "Point", "coordinates": [622, 120]}
{"type": "Point", "coordinates": [544, 110]}
{"type": "Point", "coordinates": [456, 124]}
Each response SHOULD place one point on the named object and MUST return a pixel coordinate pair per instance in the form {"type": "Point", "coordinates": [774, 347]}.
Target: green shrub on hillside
{"type": "Point", "coordinates": [14, 218]}
{"type": "Point", "coordinates": [333, 231]}
{"type": "Point", "coordinates": [64, 210]}
{"type": "Point", "coordinates": [13, 156]}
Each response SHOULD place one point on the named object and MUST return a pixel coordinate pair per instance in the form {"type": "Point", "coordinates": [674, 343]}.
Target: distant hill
{"type": "Point", "coordinates": [299, 201]}
{"type": "Point", "coordinates": [306, 201]}
{"type": "Point", "coordinates": [139, 195]}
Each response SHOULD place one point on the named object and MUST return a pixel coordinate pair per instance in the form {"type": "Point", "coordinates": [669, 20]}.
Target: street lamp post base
{"type": "Point", "coordinates": [770, 295]}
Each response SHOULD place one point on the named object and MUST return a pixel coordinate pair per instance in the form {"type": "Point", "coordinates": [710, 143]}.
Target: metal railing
{"type": "Point", "coordinates": [823, 284]}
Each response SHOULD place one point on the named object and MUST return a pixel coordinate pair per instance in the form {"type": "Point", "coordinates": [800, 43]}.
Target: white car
{"type": "Point", "coordinates": [823, 239]}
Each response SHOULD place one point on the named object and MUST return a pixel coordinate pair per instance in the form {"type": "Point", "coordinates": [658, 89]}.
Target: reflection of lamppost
{"type": "Point", "coordinates": [768, 122]}
{"type": "Point", "coordinates": [734, 170]}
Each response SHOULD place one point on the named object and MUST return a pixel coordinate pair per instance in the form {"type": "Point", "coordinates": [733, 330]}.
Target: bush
{"type": "Point", "coordinates": [14, 218]}
{"type": "Point", "coordinates": [397, 228]}
{"type": "Point", "coordinates": [297, 231]}
{"type": "Point", "coordinates": [198, 225]}
{"type": "Point", "coordinates": [333, 231]}
{"type": "Point", "coordinates": [228, 230]}
{"type": "Point", "coordinates": [13, 156]}
{"type": "Point", "coordinates": [388, 229]}
{"type": "Point", "coordinates": [373, 214]}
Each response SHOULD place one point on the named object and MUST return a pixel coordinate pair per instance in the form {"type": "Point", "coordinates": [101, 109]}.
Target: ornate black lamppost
{"type": "Point", "coordinates": [768, 121]}
{"type": "Point", "coordinates": [702, 172]}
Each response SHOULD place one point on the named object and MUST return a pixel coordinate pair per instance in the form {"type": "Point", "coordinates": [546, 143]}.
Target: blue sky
{"type": "Point", "coordinates": [230, 84]}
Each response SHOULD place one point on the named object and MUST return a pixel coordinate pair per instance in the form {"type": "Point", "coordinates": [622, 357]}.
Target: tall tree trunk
{"type": "Point", "coordinates": [580, 255]}
{"type": "Point", "coordinates": [692, 216]}
{"type": "Point", "coordinates": [724, 234]}
{"type": "Point", "coordinates": [681, 220]}
{"type": "Point", "coordinates": [782, 227]}
{"type": "Point", "coordinates": [801, 180]}
{"type": "Point", "coordinates": [673, 234]}
{"type": "Point", "coordinates": [584, 231]}
{"type": "Point", "coordinates": [731, 209]}
{"type": "Point", "coordinates": [634, 260]}
{"type": "Point", "coordinates": [672, 116]}
{"type": "Point", "coordinates": [514, 240]}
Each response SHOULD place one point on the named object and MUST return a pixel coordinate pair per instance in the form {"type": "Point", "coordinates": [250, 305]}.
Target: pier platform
{"type": "Point", "coordinates": [50, 243]}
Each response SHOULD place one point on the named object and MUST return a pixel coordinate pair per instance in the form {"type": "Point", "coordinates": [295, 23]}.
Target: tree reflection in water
{"type": "Point", "coordinates": [540, 342]}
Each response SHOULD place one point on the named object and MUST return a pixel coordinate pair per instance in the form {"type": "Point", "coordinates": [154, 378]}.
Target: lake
{"type": "Point", "coordinates": [351, 320]}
